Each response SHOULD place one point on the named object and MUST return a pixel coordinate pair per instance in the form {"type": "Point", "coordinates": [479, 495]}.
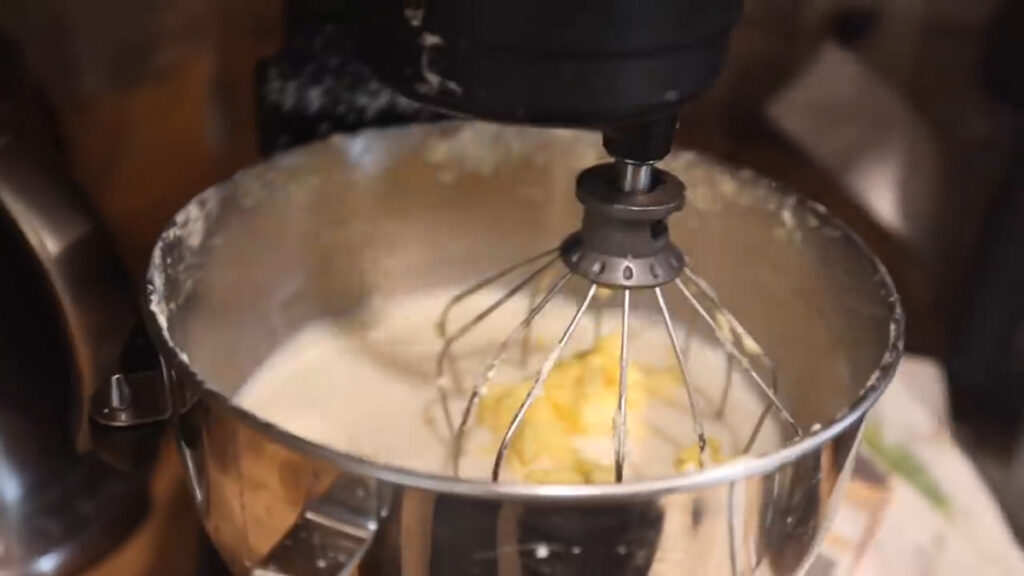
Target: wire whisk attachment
{"type": "Point", "coordinates": [743, 354]}
{"type": "Point", "coordinates": [623, 248]}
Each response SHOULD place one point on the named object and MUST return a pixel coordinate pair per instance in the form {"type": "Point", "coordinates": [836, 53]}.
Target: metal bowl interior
{"type": "Point", "coordinates": [328, 228]}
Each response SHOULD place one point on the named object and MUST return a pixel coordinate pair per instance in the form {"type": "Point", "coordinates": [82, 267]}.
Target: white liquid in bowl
{"type": "Point", "coordinates": [366, 386]}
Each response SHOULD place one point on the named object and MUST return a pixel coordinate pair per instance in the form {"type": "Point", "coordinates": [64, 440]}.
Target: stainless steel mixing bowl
{"type": "Point", "coordinates": [325, 229]}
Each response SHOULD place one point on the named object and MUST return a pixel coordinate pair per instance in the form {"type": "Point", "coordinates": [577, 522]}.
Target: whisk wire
{"type": "Point", "coordinates": [445, 357]}
{"type": "Point", "coordinates": [724, 398]}
{"type": "Point", "coordinates": [449, 341]}
{"type": "Point", "coordinates": [761, 419]}
{"type": "Point", "coordinates": [538, 383]}
{"type": "Point", "coordinates": [688, 335]}
{"type": "Point", "coordinates": [478, 286]}
{"type": "Point", "coordinates": [524, 344]}
{"type": "Point", "coordinates": [698, 425]}
{"type": "Point", "coordinates": [499, 354]}
{"type": "Point", "coordinates": [620, 410]}
{"type": "Point", "coordinates": [726, 342]}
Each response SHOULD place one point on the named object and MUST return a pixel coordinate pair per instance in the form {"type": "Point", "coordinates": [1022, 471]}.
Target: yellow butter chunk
{"type": "Point", "coordinates": [688, 459]}
{"type": "Point", "coordinates": [578, 402]}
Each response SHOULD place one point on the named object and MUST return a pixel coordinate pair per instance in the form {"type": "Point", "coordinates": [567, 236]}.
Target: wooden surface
{"type": "Point", "coordinates": [166, 544]}
{"type": "Point", "coordinates": [153, 121]}
{"type": "Point", "coordinates": [156, 101]}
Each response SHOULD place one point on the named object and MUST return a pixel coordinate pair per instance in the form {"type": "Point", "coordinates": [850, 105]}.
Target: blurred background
{"type": "Point", "coordinates": [906, 117]}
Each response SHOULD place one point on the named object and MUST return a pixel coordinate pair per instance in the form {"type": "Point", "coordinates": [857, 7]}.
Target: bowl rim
{"type": "Point", "coordinates": [727, 473]}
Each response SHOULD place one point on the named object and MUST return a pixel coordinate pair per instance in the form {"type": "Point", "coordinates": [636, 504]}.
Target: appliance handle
{"type": "Point", "coordinates": [133, 399]}
{"type": "Point", "coordinates": [128, 411]}
{"type": "Point", "coordinates": [140, 392]}
{"type": "Point", "coordinates": [332, 534]}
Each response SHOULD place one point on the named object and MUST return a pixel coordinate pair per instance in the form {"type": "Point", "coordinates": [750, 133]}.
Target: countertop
{"type": "Point", "coordinates": [167, 543]}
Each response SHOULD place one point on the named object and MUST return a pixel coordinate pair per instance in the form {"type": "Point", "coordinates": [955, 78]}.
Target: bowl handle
{"type": "Point", "coordinates": [129, 410]}
{"type": "Point", "coordinates": [332, 534]}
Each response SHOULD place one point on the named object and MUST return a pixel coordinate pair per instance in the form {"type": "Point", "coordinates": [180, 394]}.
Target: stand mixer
{"type": "Point", "coordinates": [359, 222]}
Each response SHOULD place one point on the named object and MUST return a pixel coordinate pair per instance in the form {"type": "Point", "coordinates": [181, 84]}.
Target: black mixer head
{"type": "Point", "coordinates": [620, 66]}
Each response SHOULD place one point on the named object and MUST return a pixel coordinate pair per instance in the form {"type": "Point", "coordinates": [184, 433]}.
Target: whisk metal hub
{"type": "Point", "coordinates": [624, 241]}
{"type": "Point", "coordinates": [621, 271]}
